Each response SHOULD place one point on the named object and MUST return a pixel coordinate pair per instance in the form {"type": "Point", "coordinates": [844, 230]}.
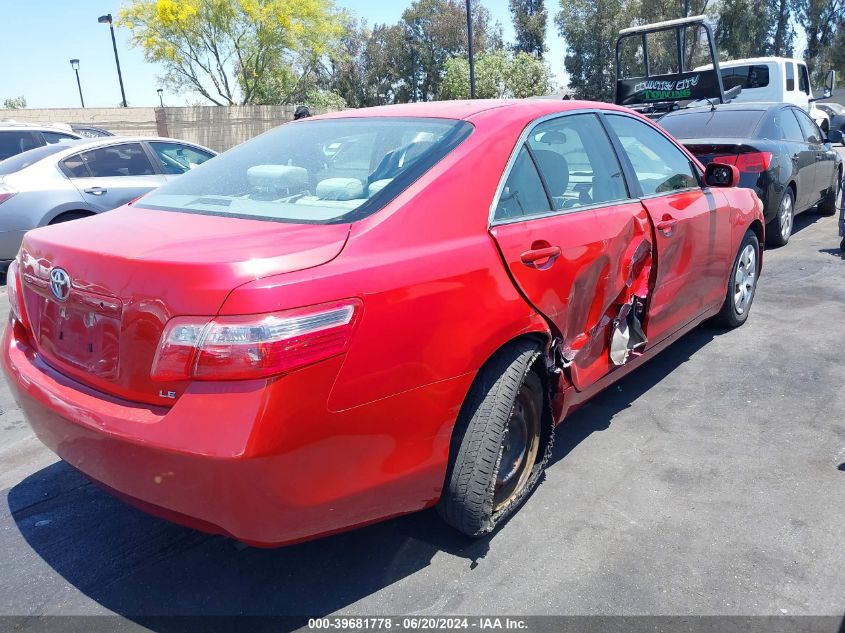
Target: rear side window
{"type": "Point", "coordinates": [809, 127]}
{"type": "Point", "coordinates": [128, 159]}
{"type": "Point", "coordinates": [176, 158]}
{"type": "Point", "coordinates": [577, 162]}
{"type": "Point", "coordinates": [803, 79]}
{"type": "Point", "coordinates": [523, 193]}
{"type": "Point", "coordinates": [659, 165]}
{"type": "Point", "coordinates": [790, 76]}
{"type": "Point", "coordinates": [315, 171]}
{"type": "Point", "coordinates": [15, 142]}
{"type": "Point", "coordinates": [705, 123]}
{"type": "Point", "coordinates": [751, 76]}
{"type": "Point", "coordinates": [787, 126]}
{"type": "Point", "coordinates": [57, 137]}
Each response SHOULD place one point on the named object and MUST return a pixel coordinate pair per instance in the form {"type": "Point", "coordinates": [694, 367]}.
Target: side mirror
{"type": "Point", "coordinates": [835, 136]}
{"type": "Point", "coordinates": [719, 175]}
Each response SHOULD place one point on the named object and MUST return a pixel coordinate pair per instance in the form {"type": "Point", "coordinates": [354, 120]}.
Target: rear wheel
{"type": "Point", "coordinates": [742, 284]}
{"type": "Point", "coordinates": [499, 447]}
{"type": "Point", "coordinates": [833, 200]}
{"type": "Point", "coordinates": [779, 229]}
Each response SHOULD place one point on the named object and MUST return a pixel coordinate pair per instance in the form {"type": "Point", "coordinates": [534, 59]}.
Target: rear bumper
{"type": "Point", "coordinates": [260, 461]}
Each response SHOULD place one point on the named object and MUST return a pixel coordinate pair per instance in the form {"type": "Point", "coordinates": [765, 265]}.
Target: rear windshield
{"type": "Point", "coordinates": [25, 159]}
{"type": "Point", "coordinates": [751, 76]}
{"type": "Point", "coordinates": [317, 171]}
{"type": "Point", "coordinates": [712, 124]}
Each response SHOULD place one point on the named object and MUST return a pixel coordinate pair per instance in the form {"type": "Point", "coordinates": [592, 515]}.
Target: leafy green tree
{"type": "Point", "coordinates": [820, 20]}
{"type": "Point", "coordinates": [529, 23]}
{"type": "Point", "coordinates": [366, 69]}
{"type": "Point", "coordinates": [232, 51]}
{"type": "Point", "coordinates": [590, 28]}
{"type": "Point", "coordinates": [744, 28]}
{"type": "Point", "coordinates": [435, 31]}
{"type": "Point", "coordinates": [498, 75]}
{"type": "Point", "coordinates": [15, 103]}
{"type": "Point", "coordinates": [783, 35]}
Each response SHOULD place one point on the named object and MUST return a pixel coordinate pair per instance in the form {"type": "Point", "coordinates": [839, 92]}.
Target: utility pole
{"type": "Point", "coordinates": [469, 50]}
{"type": "Point", "coordinates": [74, 63]}
{"type": "Point", "coordinates": [107, 19]}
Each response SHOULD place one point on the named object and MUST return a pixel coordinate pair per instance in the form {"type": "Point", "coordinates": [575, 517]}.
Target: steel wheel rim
{"type": "Point", "coordinates": [786, 216]}
{"type": "Point", "coordinates": [745, 279]}
{"type": "Point", "coordinates": [518, 451]}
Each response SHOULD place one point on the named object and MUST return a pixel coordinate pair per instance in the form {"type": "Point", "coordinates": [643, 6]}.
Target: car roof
{"type": "Point", "coordinates": [465, 110]}
{"type": "Point", "coordinates": [102, 141]}
{"type": "Point", "coordinates": [7, 126]}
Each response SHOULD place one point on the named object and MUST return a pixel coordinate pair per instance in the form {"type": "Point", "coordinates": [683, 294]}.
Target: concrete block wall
{"type": "Point", "coordinates": [217, 127]}
{"type": "Point", "coordinates": [123, 121]}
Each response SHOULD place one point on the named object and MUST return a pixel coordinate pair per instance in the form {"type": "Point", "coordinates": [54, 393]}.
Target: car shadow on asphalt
{"type": "Point", "coordinates": [597, 414]}
{"type": "Point", "coordinates": [141, 567]}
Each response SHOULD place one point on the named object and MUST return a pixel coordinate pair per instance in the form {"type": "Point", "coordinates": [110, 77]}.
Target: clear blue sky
{"type": "Point", "coordinates": [39, 37]}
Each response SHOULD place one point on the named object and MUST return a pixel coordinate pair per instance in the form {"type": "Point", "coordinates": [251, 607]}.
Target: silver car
{"type": "Point", "coordinates": [73, 179]}
{"type": "Point", "coordinates": [20, 137]}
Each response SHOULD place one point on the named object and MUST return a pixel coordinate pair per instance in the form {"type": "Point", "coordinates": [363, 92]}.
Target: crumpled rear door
{"type": "Point", "coordinates": [588, 273]}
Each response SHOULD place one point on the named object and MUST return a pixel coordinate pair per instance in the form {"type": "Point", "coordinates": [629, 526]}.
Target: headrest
{"type": "Point", "coordinates": [340, 189]}
{"type": "Point", "coordinates": [275, 177]}
{"type": "Point", "coordinates": [378, 185]}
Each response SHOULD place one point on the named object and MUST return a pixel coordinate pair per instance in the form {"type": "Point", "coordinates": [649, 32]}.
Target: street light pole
{"type": "Point", "coordinates": [160, 92]}
{"type": "Point", "coordinates": [74, 63]}
{"type": "Point", "coordinates": [469, 50]}
{"type": "Point", "coordinates": [107, 19]}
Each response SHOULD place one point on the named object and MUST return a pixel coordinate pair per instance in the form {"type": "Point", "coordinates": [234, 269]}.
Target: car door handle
{"type": "Point", "coordinates": [541, 258]}
{"type": "Point", "coordinates": [819, 156]}
{"type": "Point", "coordinates": [667, 225]}
{"type": "Point", "coordinates": [96, 191]}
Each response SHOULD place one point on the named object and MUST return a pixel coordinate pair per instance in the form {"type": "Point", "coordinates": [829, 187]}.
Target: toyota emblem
{"type": "Point", "coordinates": [60, 284]}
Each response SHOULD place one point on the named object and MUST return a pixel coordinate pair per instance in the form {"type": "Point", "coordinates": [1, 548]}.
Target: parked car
{"type": "Point", "coordinates": [280, 344]}
{"type": "Point", "coordinates": [780, 152]}
{"type": "Point", "coordinates": [77, 178]}
{"type": "Point", "coordinates": [16, 137]}
{"type": "Point", "coordinates": [836, 114]}
{"type": "Point", "coordinates": [83, 129]}
{"type": "Point", "coordinates": [774, 80]}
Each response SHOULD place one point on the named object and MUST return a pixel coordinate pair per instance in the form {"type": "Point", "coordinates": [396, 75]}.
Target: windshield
{"type": "Point", "coordinates": [30, 157]}
{"type": "Point", "coordinates": [707, 123]}
{"type": "Point", "coordinates": [316, 171]}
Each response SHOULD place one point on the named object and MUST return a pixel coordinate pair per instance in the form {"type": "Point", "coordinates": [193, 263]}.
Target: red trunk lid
{"type": "Point", "coordinates": [133, 269]}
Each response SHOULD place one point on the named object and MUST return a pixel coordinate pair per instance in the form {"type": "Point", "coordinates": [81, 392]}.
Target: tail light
{"type": "Point", "coordinates": [253, 346]}
{"type": "Point", "coordinates": [749, 163]}
{"type": "Point", "coordinates": [6, 192]}
{"type": "Point", "coordinates": [14, 290]}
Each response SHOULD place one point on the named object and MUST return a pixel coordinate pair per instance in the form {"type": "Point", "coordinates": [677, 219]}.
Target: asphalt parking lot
{"type": "Point", "coordinates": [711, 481]}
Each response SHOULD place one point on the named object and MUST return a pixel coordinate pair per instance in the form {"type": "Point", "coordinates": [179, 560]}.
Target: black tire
{"type": "Point", "coordinates": [734, 313]}
{"type": "Point", "coordinates": [70, 215]}
{"type": "Point", "coordinates": [777, 231]}
{"type": "Point", "coordinates": [474, 501]}
{"type": "Point", "coordinates": [831, 202]}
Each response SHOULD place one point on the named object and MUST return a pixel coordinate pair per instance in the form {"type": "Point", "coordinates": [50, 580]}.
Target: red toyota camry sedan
{"type": "Point", "coordinates": [368, 313]}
